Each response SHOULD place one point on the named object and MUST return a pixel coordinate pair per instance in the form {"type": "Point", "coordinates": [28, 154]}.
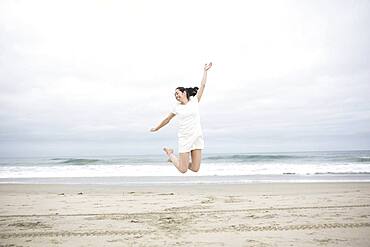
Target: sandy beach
{"type": "Point", "coordinates": [270, 214]}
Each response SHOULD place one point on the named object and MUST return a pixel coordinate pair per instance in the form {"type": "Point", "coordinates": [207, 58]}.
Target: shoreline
{"type": "Point", "coordinates": [193, 179]}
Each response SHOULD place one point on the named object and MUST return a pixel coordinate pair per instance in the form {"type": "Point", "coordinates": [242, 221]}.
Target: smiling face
{"type": "Point", "coordinates": [180, 96]}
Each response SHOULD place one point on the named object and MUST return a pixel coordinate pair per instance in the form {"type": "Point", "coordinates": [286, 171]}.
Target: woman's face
{"type": "Point", "coordinates": [179, 95]}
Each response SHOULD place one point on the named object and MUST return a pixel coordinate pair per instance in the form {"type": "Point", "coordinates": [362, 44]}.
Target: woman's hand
{"type": "Point", "coordinates": [153, 129]}
{"type": "Point", "coordinates": [207, 66]}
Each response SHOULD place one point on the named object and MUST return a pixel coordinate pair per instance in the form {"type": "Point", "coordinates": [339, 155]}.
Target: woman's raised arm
{"type": "Point", "coordinates": [204, 80]}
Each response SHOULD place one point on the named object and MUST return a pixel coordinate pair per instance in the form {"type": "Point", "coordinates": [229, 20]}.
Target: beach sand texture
{"type": "Point", "coordinates": [275, 214]}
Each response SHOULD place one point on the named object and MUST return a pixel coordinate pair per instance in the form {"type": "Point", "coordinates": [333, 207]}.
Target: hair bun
{"type": "Point", "coordinates": [193, 91]}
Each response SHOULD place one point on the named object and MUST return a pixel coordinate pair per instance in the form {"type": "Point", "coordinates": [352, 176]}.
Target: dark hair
{"type": "Point", "coordinates": [190, 91]}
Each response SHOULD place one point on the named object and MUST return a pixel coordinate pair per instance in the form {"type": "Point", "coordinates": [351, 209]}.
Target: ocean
{"type": "Point", "coordinates": [329, 166]}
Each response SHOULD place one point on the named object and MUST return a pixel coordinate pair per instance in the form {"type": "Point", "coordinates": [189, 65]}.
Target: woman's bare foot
{"type": "Point", "coordinates": [168, 151]}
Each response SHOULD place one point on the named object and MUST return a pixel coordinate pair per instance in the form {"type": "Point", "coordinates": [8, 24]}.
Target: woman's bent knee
{"type": "Point", "coordinates": [183, 162]}
{"type": "Point", "coordinates": [194, 169]}
{"type": "Point", "coordinates": [183, 170]}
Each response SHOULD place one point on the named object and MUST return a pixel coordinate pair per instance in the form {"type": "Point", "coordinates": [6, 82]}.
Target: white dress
{"type": "Point", "coordinates": [190, 135]}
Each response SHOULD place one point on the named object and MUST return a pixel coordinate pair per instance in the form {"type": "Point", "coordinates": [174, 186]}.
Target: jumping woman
{"type": "Point", "coordinates": [190, 135]}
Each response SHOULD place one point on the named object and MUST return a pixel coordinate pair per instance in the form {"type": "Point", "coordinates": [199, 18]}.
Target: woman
{"type": "Point", "coordinates": [190, 135]}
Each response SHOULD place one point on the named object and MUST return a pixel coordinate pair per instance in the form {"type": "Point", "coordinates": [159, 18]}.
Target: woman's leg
{"type": "Point", "coordinates": [182, 163]}
{"type": "Point", "coordinates": [196, 157]}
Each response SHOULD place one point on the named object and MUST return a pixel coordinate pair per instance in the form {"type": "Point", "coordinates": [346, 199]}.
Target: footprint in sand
{"type": "Point", "coordinates": [233, 199]}
{"type": "Point", "coordinates": [210, 199]}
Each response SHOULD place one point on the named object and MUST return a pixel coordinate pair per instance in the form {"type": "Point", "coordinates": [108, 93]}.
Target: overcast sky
{"type": "Point", "coordinates": [92, 77]}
